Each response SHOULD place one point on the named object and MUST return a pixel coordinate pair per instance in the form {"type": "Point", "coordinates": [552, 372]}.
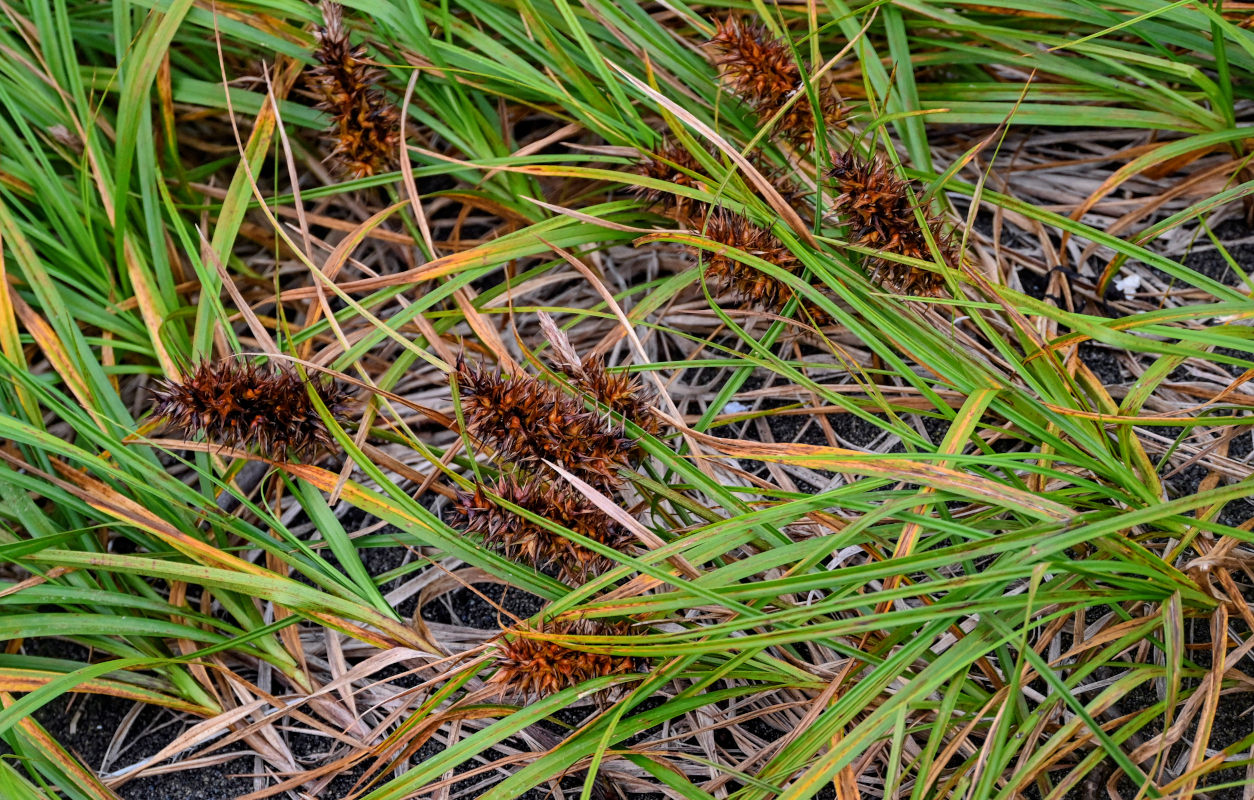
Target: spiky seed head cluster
{"type": "Point", "coordinates": [762, 71]}
{"type": "Point", "coordinates": [675, 165]}
{"type": "Point", "coordinates": [243, 405]}
{"type": "Point", "coordinates": [621, 392]}
{"type": "Point", "coordinates": [520, 540]}
{"type": "Point", "coordinates": [878, 208]}
{"type": "Point", "coordinates": [748, 283]}
{"type": "Point", "coordinates": [531, 667]}
{"type": "Point", "coordinates": [365, 126]}
{"type": "Point", "coordinates": [528, 422]}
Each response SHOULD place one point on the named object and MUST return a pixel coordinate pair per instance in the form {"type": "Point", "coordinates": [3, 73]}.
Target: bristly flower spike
{"type": "Point", "coordinates": [761, 70]}
{"type": "Point", "coordinates": [877, 206]}
{"type": "Point", "coordinates": [521, 540]}
{"type": "Point", "coordinates": [528, 423]}
{"type": "Point", "coordinates": [365, 127]}
{"type": "Point", "coordinates": [530, 667]}
{"type": "Point", "coordinates": [242, 405]}
{"type": "Point", "coordinates": [749, 284]}
{"type": "Point", "coordinates": [621, 392]}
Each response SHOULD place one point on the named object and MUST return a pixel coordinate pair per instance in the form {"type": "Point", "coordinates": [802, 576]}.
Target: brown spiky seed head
{"type": "Point", "coordinates": [762, 71]}
{"type": "Point", "coordinates": [621, 392]}
{"type": "Point", "coordinates": [672, 164]}
{"type": "Point", "coordinates": [528, 422]}
{"type": "Point", "coordinates": [749, 284]}
{"type": "Point", "coordinates": [365, 126]}
{"type": "Point", "coordinates": [878, 207]}
{"type": "Point", "coordinates": [530, 665]}
{"type": "Point", "coordinates": [525, 542]}
{"type": "Point", "coordinates": [754, 64]}
{"type": "Point", "coordinates": [243, 405]}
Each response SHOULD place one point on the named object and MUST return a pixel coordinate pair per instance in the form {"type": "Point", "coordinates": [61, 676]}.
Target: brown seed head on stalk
{"type": "Point", "coordinates": [747, 283]}
{"type": "Point", "coordinates": [528, 422]}
{"type": "Point", "coordinates": [761, 70]}
{"type": "Point", "coordinates": [672, 164]}
{"type": "Point", "coordinates": [878, 208]}
{"type": "Point", "coordinates": [621, 392]}
{"type": "Point", "coordinates": [365, 126]}
{"type": "Point", "coordinates": [531, 668]}
{"type": "Point", "coordinates": [523, 541]}
{"type": "Point", "coordinates": [249, 405]}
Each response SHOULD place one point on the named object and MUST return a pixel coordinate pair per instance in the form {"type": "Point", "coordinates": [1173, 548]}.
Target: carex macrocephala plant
{"type": "Point", "coordinates": [526, 420]}
{"type": "Point", "coordinates": [745, 281]}
{"type": "Point", "coordinates": [365, 125]}
{"type": "Point", "coordinates": [529, 423]}
{"type": "Point", "coordinates": [243, 405]}
{"type": "Point", "coordinates": [620, 391]}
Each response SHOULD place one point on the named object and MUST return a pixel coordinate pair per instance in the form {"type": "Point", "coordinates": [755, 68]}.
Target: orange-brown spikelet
{"type": "Point", "coordinates": [878, 208]}
{"type": "Point", "coordinates": [746, 282]}
{"type": "Point", "coordinates": [365, 127]}
{"type": "Point", "coordinates": [761, 70]}
{"type": "Point", "coordinates": [620, 391]}
{"type": "Point", "coordinates": [523, 541]}
{"type": "Point", "coordinates": [671, 164]}
{"type": "Point", "coordinates": [528, 422]}
{"type": "Point", "coordinates": [249, 405]}
{"type": "Point", "coordinates": [531, 668]}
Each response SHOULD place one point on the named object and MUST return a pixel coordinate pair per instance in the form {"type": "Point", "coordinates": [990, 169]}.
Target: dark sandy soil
{"type": "Point", "coordinates": [85, 724]}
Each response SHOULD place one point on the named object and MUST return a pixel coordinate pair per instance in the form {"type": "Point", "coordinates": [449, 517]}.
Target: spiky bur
{"type": "Point", "coordinates": [531, 668]}
{"type": "Point", "coordinates": [620, 392]}
{"type": "Point", "coordinates": [528, 422]}
{"type": "Point", "coordinates": [761, 70]}
{"type": "Point", "coordinates": [749, 284]}
{"type": "Point", "coordinates": [672, 164]}
{"type": "Point", "coordinates": [878, 208]}
{"type": "Point", "coordinates": [365, 126]}
{"type": "Point", "coordinates": [520, 540]}
{"type": "Point", "coordinates": [243, 406]}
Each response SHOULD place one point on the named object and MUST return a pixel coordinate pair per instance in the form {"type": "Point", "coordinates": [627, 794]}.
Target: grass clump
{"type": "Point", "coordinates": [982, 532]}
